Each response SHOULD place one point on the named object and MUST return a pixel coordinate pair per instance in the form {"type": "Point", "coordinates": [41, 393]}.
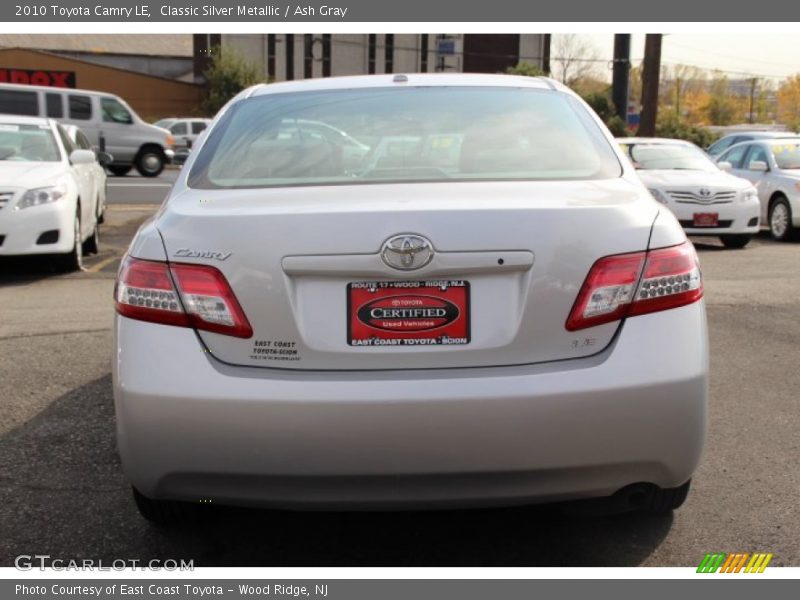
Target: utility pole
{"type": "Point", "coordinates": [620, 74]}
{"type": "Point", "coordinates": [651, 71]}
{"type": "Point", "coordinates": [753, 82]}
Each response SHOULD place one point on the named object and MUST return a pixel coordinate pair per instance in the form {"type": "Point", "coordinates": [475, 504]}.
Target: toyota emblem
{"type": "Point", "coordinates": [407, 252]}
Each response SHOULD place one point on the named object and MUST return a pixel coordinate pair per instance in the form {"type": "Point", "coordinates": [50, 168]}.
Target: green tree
{"type": "Point", "coordinates": [526, 69]}
{"type": "Point", "coordinates": [670, 126]}
{"type": "Point", "coordinates": [230, 72]}
{"type": "Point", "coordinates": [721, 108]}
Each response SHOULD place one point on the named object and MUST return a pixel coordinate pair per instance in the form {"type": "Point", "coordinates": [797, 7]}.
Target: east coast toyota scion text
{"type": "Point", "coordinates": [409, 291]}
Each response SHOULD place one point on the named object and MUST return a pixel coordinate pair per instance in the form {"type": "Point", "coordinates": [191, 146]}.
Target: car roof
{"type": "Point", "coordinates": [769, 141]}
{"type": "Point", "coordinates": [408, 80]}
{"type": "Point", "coordinates": [761, 134]}
{"type": "Point", "coordinates": [22, 120]}
{"type": "Point", "coordinates": [654, 140]}
{"type": "Point", "coordinates": [49, 88]}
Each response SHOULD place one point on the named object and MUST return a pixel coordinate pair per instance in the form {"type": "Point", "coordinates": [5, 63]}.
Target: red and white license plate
{"type": "Point", "coordinates": [706, 219]}
{"type": "Point", "coordinates": [408, 313]}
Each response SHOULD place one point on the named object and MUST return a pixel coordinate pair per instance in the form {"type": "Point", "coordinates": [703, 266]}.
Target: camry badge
{"type": "Point", "coordinates": [705, 192]}
{"type": "Point", "coordinates": [407, 252]}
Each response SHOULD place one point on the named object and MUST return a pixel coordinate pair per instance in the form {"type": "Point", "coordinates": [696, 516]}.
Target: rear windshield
{"type": "Point", "coordinates": [383, 135]}
{"type": "Point", "coordinates": [787, 155]}
{"type": "Point", "coordinates": [677, 157]}
{"type": "Point", "coordinates": [27, 143]}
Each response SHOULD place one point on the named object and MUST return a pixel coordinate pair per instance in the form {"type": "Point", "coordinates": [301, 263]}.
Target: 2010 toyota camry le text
{"type": "Point", "coordinates": [409, 291]}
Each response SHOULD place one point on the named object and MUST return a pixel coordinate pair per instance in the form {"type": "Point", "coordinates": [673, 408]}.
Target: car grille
{"type": "Point", "coordinates": [5, 198]}
{"type": "Point", "coordinates": [720, 224]}
{"type": "Point", "coordinates": [687, 197]}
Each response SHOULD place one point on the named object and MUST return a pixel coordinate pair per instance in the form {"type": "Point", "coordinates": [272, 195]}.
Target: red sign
{"type": "Point", "coordinates": [62, 79]}
{"type": "Point", "coordinates": [408, 313]}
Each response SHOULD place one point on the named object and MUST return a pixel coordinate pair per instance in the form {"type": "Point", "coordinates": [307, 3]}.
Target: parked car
{"type": "Point", "coordinates": [108, 122]}
{"type": "Point", "coordinates": [48, 193]}
{"type": "Point", "coordinates": [773, 167]}
{"type": "Point", "coordinates": [706, 200]}
{"type": "Point", "coordinates": [185, 132]}
{"type": "Point", "coordinates": [98, 171]}
{"type": "Point", "coordinates": [726, 141]}
{"type": "Point", "coordinates": [513, 322]}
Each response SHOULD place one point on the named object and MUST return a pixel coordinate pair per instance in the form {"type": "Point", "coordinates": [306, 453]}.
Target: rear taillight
{"type": "Point", "coordinates": [636, 284]}
{"type": "Point", "coordinates": [179, 294]}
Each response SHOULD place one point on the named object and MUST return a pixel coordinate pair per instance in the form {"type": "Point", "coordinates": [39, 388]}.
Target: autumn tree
{"type": "Point", "coordinates": [789, 102]}
{"type": "Point", "coordinates": [721, 108]}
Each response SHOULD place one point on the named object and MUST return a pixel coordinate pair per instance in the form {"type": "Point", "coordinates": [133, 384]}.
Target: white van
{"type": "Point", "coordinates": [102, 116]}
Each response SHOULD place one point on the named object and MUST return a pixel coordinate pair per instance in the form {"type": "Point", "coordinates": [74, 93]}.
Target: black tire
{"type": "Point", "coordinates": [780, 220]}
{"type": "Point", "coordinates": [665, 500]}
{"type": "Point", "coordinates": [73, 260]}
{"type": "Point", "coordinates": [120, 170]}
{"type": "Point", "coordinates": [92, 245]}
{"type": "Point", "coordinates": [168, 513]}
{"type": "Point", "coordinates": [735, 240]}
{"type": "Point", "coordinates": [150, 162]}
{"type": "Point", "coordinates": [101, 210]}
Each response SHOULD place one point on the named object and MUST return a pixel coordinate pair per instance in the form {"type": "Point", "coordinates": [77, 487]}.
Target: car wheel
{"type": "Point", "coordinates": [73, 260]}
{"type": "Point", "coordinates": [735, 240]}
{"type": "Point", "coordinates": [150, 162]}
{"type": "Point", "coordinates": [120, 170]}
{"type": "Point", "coordinates": [168, 513]}
{"type": "Point", "coordinates": [92, 245]}
{"type": "Point", "coordinates": [780, 220]}
{"type": "Point", "coordinates": [101, 211]}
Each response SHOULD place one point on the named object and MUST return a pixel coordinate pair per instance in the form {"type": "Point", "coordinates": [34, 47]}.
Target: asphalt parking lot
{"type": "Point", "coordinates": [62, 492]}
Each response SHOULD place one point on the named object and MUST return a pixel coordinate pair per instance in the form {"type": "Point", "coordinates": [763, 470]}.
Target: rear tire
{"type": "Point", "coordinates": [120, 170]}
{"type": "Point", "coordinates": [168, 513]}
{"type": "Point", "coordinates": [735, 240]}
{"type": "Point", "coordinates": [780, 220]}
{"type": "Point", "coordinates": [150, 162]}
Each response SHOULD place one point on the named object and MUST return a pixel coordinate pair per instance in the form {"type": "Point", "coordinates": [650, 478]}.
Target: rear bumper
{"type": "Point", "coordinates": [190, 427]}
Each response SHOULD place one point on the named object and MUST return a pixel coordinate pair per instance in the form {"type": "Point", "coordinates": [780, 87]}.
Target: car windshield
{"type": "Point", "coordinates": [646, 156]}
{"type": "Point", "coordinates": [381, 135]}
{"type": "Point", "coordinates": [787, 155]}
{"type": "Point", "coordinates": [22, 142]}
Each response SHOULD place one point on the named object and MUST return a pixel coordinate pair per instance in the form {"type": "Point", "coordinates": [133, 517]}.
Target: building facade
{"type": "Point", "coordinates": [283, 57]}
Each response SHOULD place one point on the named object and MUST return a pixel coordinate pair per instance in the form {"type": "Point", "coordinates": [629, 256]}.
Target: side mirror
{"type": "Point", "coordinates": [82, 157]}
{"type": "Point", "coordinates": [725, 166]}
{"type": "Point", "coordinates": [104, 158]}
{"type": "Point", "coordinates": [758, 165]}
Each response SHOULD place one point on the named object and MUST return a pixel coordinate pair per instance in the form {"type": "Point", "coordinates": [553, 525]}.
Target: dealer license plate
{"type": "Point", "coordinates": [706, 219]}
{"type": "Point", "coordinates": [408, 313]}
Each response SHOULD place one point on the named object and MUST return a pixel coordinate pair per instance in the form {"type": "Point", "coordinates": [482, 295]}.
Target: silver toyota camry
{"type": "Point", "coordinates": [452, 290]}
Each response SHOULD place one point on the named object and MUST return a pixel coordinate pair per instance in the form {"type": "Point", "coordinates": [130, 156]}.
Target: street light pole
{"type": "Point", "coordinates": [620, 73]}
{"type": "Point", "coordinates": [650, 74]}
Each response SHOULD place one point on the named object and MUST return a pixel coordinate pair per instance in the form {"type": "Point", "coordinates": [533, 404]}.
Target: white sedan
{"type": "Point", "coordinates": [706, 200]}
{"type": "Point", "coordinates": [773, 167]}
{"type": "Point", "coordinates": [48, 194]}
{"type": "Point", "coordinates": [81, 141]}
